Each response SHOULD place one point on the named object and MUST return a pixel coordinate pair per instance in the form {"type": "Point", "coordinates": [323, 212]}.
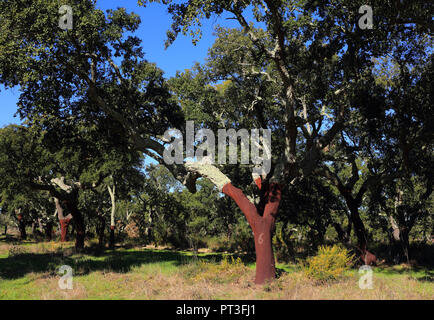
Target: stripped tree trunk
{"type": "Point", "coordinates": [70, 202]}
{"type": "Point", "coordinates": [262, 226]}
{"type": "Point", "coordinates": [64, 221]}
{"type": "Point", "coordinates": [261, 217]}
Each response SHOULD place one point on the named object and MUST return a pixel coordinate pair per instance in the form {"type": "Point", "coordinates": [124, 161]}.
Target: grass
{"type": "Point", "coordinates": [29, 271]}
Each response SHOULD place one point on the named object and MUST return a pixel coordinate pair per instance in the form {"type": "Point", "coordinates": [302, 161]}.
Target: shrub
{"type": "Point", "coordinates": [228, 270]}
{"type": "Point", "coordinates": [330, 263]}
{"type": "Point", "coordinates": [132, 230]}
{"type": "Point", "coordinates": [16, 250]}
{"type": "Point", "coordinates": [218, 243]}
{"type": "Point", "coordinates": [242, 238]}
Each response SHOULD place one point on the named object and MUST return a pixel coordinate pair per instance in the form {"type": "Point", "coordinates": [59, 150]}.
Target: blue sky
{"type": "Point", "coordinates": [155, 22]}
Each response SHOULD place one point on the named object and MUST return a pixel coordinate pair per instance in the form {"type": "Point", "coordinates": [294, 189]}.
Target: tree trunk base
{"type": "Point", "coordinates": [265, 263]}
{"type": "Point", "coordinates": [368, 258]}
{"type": "Point", "coordinates": [112, 237]}
{"type": "Point", "coordinates": [64, 223]}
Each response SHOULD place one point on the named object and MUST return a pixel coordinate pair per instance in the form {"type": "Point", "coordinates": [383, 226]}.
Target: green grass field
{"type": "Point", "coordinates": [30, 271]}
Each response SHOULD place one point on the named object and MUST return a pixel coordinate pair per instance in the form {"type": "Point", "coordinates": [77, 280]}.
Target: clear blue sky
{"type": "Point", "coordinates": [155, 22]}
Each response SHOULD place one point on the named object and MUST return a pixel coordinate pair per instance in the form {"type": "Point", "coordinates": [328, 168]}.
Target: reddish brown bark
{"type": "Point", "coordinates": [262, 225]}
{"type": "Point", "coordinates": [368, 258]}
{"type": "Point", "coordinates": [75, 214]}
{"type": "Point", "coordinates": [64, 223]}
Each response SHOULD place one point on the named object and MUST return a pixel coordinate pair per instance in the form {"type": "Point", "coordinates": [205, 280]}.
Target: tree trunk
{"type": "Point", "coordinates": [64, 221]}
{"type": "Point", "coordinates": [359, 228]}
{"type": "Point", "coordinates": [112, 192]}
{"type": "Point", "coordinates": [100, 230]}
{"type": "Point", "coordinates": [40, 226]}
{"type": "Point", "coordinates": [261, 217]}
{"type": "Point", "coordinates": [395, 241]}
{"type": "Point", "coordinates": [78, 224]}
{"type": "Point", "coordinates": [49, 231]}
{"type": "Point", "coordinates": [6, 229]}
{"type": "Point", "coordinates": [112, 237]}
{"type": "Point", "coordinates": [36, 229]}
{"type": "Point", "coordinates": [21, 226]}
{"type": "Point", "coordinates": [343, 235]}
{"type": "Point", "coordinates": [400, 232]}
{"type": "Point", "coordinates": [265, 263]}
{"type": "Point", "coordinates": [262, 226]}
{"type": "Point", "coordinates": [405, 244]}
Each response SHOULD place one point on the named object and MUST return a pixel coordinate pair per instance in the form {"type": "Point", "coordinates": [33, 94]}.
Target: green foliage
{"type": "Point", "coordinates": [330, 263]}
{"type": "Point", "coordinates": [16, 250]}
{"type": "Point", "coordinates": [242, 238]}
{"type": "Point", "coordinates": [281, 243]}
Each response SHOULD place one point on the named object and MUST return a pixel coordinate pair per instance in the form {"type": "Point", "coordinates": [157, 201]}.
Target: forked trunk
{"type": "Point", "coordinates": [261, 217]}
{"type": "Point", "coordinates": [64, 221]}
{"type": "Point", "coordinates": [262, 227]}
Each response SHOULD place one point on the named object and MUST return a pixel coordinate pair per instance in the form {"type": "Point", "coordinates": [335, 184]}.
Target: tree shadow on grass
{"type": "Point", "coordinates": [119, 261]}
{"type": "Point", "coordinates": [8, 239]}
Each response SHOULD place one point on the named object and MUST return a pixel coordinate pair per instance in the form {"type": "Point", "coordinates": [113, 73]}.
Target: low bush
{"type": "Point", "coordinates": [228, 270]}
{"type": "Point", "coordinates": [330, 263]}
